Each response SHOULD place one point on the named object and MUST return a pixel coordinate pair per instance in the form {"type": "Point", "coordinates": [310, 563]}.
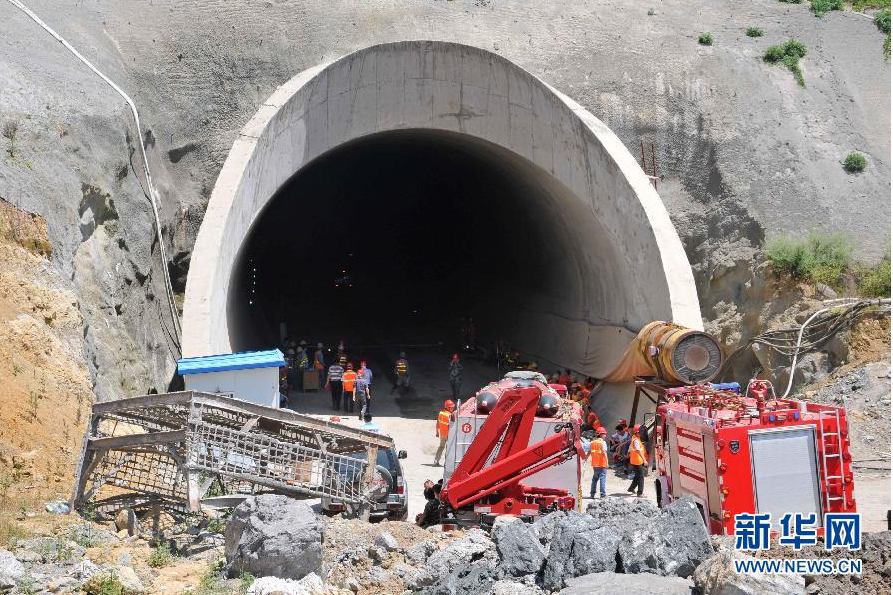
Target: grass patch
{"type": "Point", "coordinates": [754, 32]}
{"type": "Point", "coordinates": [882, 20]}
{"type": "Point", "coordinates": [819, 258]}
{"type": "Point", "coordinates": [161, 556]}
{"type": "Point", "coordinates": [788, 54]}
{"type": "Point", "coordinates": [875, 281]}
{"type": "Point", "coordinates": [104, 583]}
{"type": "Point", "coordinates": [822, 7]}
{"type": "Point", "coordinates": [705, 39]}
{"type": "Point", "coordinates": [855, 162]}
{"type": "Point", "coordinates": [860, 5]}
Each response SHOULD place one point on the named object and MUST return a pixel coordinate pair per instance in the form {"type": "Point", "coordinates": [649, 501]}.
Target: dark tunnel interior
{"type": "Point", "coordinates": [396, 237]}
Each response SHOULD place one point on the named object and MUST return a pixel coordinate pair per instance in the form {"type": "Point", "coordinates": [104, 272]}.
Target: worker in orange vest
{"type": "Point", "coordinates": [638, 458]}
{"type": "Point", "coordinates": [598, 457]}
{"type": "Point", "coordinates": [349, 387]}
{"type": "Point", "coordinates": [443, 428]}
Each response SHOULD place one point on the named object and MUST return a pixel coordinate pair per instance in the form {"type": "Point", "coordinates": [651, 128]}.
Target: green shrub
{"type": "Point", "coordinates": [160, 556]}
{"type": "Point", "coordinates": [705, 39]}
{"type": "Point", "coordinates": [754, 32]}
{"type": "Point", "coordinates": [820, 258]}
{"type": "Point", "coordinates": [788, 54]}
{"type": "Point", "coordinates": [855, 162]}
{"type": "Point", "coordinates": [882, 20]}
{"type": "Point", "coordinates": [104, 583]}
{"type": "Point", "coordinates": [875, 282]}
{"type": "Point", "coordinates": [820, 7]}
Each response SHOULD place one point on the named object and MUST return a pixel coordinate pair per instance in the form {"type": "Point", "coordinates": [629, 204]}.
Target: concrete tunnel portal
{"type": "Point", "coordinates": [387, 194]}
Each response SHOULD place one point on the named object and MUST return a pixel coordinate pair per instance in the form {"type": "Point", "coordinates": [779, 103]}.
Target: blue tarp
{"type": "Point", "coordinates": [230, 361]}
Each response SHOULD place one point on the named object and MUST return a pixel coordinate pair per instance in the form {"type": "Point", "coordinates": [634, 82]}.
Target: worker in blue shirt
{"type": "Point", "coordinates": [369, 426]}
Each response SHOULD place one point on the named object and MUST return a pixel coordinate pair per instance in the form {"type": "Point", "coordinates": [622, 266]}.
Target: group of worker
{"type": "Point", "coordinates": [598, 455]}
{"type": "Point", "coordinates": [299, 359]}
{"type": "Point", "coordinates": [350, 389]}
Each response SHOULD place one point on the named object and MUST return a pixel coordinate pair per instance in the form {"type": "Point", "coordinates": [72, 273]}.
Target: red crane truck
{"type": "Point", "coordinates": [751, 453]}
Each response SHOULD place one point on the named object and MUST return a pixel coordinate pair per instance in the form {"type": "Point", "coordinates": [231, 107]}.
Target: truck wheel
{"type": "Point", "coordinates": [658, 494]}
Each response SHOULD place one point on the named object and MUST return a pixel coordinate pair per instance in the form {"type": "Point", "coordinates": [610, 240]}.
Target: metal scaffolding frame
{"type": "Point", "coordinates": [184, 451]}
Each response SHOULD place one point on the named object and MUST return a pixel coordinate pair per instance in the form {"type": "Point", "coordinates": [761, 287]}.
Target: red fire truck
{"type": "Point", "coordinates": [752, 452]}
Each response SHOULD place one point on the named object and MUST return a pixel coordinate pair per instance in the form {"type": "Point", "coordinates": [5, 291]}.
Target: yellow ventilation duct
{"type": "Point", "coordinates": [670, 352]}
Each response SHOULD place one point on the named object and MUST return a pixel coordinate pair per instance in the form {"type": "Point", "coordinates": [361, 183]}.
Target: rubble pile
{"type": "Point", "coordinates": [613, 536]}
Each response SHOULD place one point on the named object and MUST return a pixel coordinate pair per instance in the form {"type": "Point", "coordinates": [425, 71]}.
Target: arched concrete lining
{"type": "Point", "coordinates": [637, 268]}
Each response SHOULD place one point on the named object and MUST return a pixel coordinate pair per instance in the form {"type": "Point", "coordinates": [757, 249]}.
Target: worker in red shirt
{"type": "Point", "coordinates": [598, 457]}
{"type": "Point", "coordinates": [638, 458]}
{"type": "Point", "coordinates": [444, 418]}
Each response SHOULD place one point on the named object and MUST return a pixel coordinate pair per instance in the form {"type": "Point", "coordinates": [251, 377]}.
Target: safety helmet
{"type": "Point", "coordinates": [350, 365]}
{"type": "Point", "coordinates": [319, 345]}
{"type": "Point", "coordinates": [455, 357]}
{"type": "Point", "coordinates": [636, 429]}
{"type": "Point", "coordinates": [342, 360]}
{"type": "Point", "coordinates": [403, 354]}
{"type": "Point", "coordinates": [623, 422]}
{"type": "Point", "coordinates": [448, 404]}
{"type": "Point", "coordinates": [600, 430]}
{"type": "Point", "coordinates": [362, 363]}
{"type": "Point", "coordinates": [303, 342]}
{"type": "Point", "coordinates": [291, 351]}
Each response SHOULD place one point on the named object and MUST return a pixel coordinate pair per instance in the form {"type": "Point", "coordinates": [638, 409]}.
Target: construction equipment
{"type": "Point", "coordinates": [185, 451]}
{"type": "Point", "coordinates": [751, 453]}
{"type": "Point", "coordinates": [670, 352]}
{"type": "Point", "coordinates": [487, 481]}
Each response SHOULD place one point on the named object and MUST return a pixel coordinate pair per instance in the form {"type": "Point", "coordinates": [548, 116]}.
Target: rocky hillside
{"type": "Point", "coordinates": [743, 152]}
{"type": "Point", "coordinates": [46, 389]}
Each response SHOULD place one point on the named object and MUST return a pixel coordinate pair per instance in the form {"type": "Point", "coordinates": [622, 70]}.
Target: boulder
{"type": "Point", "coordinates": [387, 541]}
{"type": "Point", "coordinates": [417, 554]}
{"type": "Point", "coordinates": [125, 520]}
{"type": "Point", "coordinates": [311, 584]}
{"type": "Point", "coordinates": [519, 549]}
{"type": "Point", "coordinates": [717, 576]}
{"type": "Point", "coordinates": [472, 579]}
{"type": "Point", "coordinates": [454, 558]}
{"type": "Point", "coordinates": [130, 582]}
{"type": "Point", "coordinates": [672, 542]}
{"type": "Point", "coordinates": [580, 545]}
{"type": "Point", "coordinates": [11, 570]}
{"type": "Point", "coordinates": [612, 583]}
{"type": "Point", "coordinates": [504, 519]}
{"type": "Point", "coordinates": [84, 569]}
{"type": "Point", "coordinates": [510, 587]}
{"type": "Point", "coordinates": [273, 535]}
{"type": "Point", "coordinates": [622, 512]}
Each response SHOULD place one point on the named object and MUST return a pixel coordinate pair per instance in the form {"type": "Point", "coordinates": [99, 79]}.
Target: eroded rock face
{"type": "Point", "coordinates": [272, 535]}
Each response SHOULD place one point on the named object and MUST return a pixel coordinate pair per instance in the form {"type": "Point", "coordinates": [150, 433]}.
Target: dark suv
{"type": "Point", "coordinates": [393, 504]}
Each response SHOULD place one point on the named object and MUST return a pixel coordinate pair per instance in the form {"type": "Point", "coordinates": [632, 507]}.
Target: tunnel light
{"type": "Point", "coordinates": [250, 303]}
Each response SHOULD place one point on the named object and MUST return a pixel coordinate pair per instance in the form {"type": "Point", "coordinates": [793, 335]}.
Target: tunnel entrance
{"type": "Point", "coordinates": [399, 236]}
{"type": "Point", "coordinates": [392, 191]}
